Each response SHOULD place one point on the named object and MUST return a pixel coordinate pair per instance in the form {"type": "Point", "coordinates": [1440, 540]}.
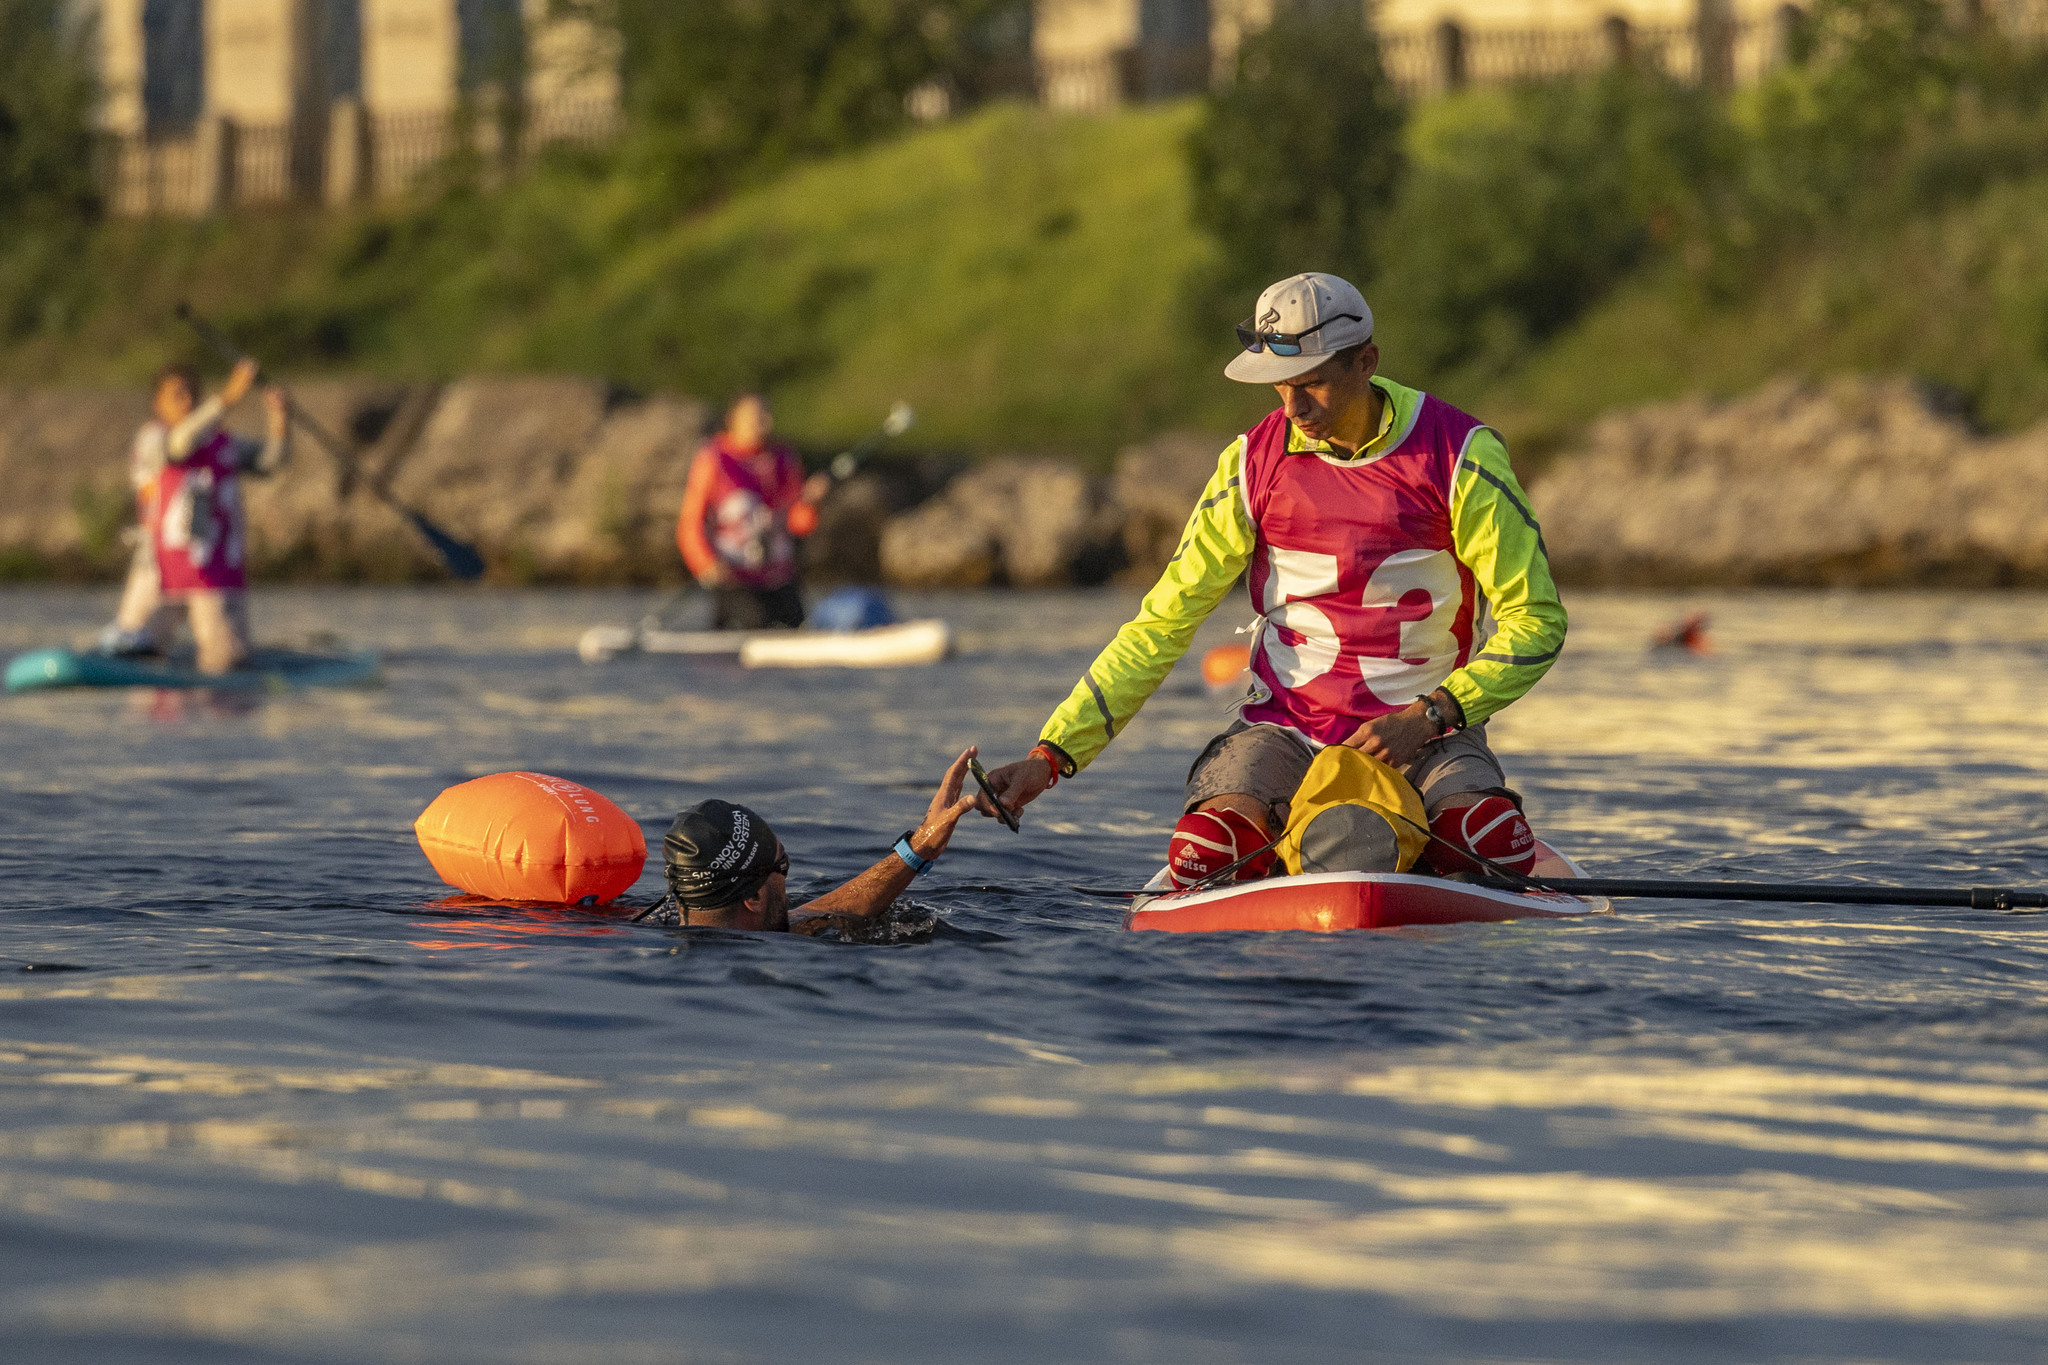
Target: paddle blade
{"type": "Point", "coordinates": [462, 560]}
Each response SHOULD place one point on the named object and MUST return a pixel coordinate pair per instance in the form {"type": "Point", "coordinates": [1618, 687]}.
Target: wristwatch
{"type": "Point", "coordinates": [1444, 725]}
{"type": "Point", "coordinates": [915, 861]}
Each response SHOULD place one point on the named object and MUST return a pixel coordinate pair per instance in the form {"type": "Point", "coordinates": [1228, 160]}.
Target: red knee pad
{"type": "Point", "coordinates": [1493, 828]}
{"type": "Point", "coordinates": [1207, 841]}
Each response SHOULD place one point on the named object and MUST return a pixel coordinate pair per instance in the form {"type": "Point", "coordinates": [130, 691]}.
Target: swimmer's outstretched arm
{"type": "Point", "coordinates": [876, 889]}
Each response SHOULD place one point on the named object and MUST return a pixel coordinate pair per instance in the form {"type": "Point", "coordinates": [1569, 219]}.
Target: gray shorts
{"type": "Point", "coordinates": [1268, 762]}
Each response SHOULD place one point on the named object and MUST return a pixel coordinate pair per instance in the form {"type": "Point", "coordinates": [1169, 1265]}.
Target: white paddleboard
{"type": "Point", "coordinates": [899, 646]}
{"type": "Point", "coordinates": [904, 645]}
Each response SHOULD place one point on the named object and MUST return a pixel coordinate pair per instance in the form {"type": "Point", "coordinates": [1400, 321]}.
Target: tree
{"type": "Point", "coordinates": [1523, 207]}
{"type": "Point", "coordinates": [1296, 160]}
{"type": "Point", "coordinates": [47, 92]}
{"type": "Point", "coordinates": [724, 90]}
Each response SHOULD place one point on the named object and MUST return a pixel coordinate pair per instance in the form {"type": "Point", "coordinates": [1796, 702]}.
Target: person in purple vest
{"type": "Point", "coordinates": [1401, 582]}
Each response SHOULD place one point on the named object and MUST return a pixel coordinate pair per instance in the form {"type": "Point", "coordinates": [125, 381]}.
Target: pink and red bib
{"type": "Point", "coordinates": [1363, 603]}
{"type": "Point", "coordinates": [747, 513]}
{"type": "Point", "coordinates": [199, 529]}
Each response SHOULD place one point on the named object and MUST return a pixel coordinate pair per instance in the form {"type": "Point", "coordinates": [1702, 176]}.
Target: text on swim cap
{"type": "Point", "coordinates": [742, 837]}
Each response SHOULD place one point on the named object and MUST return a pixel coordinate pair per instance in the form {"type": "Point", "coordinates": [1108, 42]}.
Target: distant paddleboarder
{"type": "Point", "coordinates": [746, 505]}
{"type": "Point", "coordinates": [1403, 596]}
{"type": "Point", "coordinates": [192, 549]}
{"type": "Point", "coordinates": [726, 868]}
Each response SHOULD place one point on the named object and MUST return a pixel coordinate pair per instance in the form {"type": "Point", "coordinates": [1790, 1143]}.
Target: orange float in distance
{"type": "Point", "coordinates": [531, 837]}
{"type": "Point", "coordinates": [1225, 664]}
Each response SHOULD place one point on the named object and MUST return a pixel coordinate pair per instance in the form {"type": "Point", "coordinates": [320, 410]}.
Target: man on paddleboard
{"type": "Point", "coordinates": [726, 869]}
{"type": "Point", "coordinates": [1402, 587]}
{"type": "Point", "coordinates": [745, 506]}
{"type": "Point", "coordinates": [187, 472]}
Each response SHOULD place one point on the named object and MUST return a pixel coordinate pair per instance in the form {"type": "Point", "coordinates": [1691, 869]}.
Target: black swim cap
{"type": "Point", "coordinates": [718, 854]}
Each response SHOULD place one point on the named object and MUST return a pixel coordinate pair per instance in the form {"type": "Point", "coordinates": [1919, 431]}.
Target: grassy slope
{"type": "Point", "coordinates": [1017, 276]}
{"type": "Point", "coordinates": [1022, 278]}
{"type": "Point", "coordinates": [1959, 299]}
{"type": "Point", "coordinates": [105, 312]}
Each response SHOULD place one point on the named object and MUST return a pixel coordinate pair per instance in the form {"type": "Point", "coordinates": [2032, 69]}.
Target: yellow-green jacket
{"type": "Point", "coordinates": [1493, 536]}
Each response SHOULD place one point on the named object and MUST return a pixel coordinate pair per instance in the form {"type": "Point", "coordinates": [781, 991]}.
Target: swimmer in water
{"type": "Point", "coordinates": [727, 870]}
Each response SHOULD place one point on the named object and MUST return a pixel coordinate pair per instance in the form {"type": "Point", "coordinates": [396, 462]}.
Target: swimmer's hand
{"type": "Point", "coordinates": [1019, 784]}
{"type": "Point", "coordinates": [929, 839]}
{"type": "Point", "coordinates": [876, 889]}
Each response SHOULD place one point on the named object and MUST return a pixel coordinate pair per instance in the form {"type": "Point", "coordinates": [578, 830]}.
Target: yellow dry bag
{"type": "Point", "coordinates": [1340, 781]}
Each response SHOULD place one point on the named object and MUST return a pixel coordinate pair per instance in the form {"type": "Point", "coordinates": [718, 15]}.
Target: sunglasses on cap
{"type": "Point", "coordinates": [1283, 343]}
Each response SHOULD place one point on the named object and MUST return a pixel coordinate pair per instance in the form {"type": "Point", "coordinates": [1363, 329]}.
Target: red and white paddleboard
{"type": "Point", "coordinates": [1324, 902]}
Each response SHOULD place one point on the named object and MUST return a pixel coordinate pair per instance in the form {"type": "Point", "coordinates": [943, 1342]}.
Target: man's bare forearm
{"type": "Point", "coordinates": [876, 889]}
{"type": "Point", "coordinates": [872, 892]}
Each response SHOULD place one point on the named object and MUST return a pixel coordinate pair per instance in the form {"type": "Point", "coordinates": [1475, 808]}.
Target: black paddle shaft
{"type": "Point", "coordinates": [462, 560]}
{"type": "Point", "coordinates": [1966, 897]}
{"type": "Point", "coordinates": [1808, 893]}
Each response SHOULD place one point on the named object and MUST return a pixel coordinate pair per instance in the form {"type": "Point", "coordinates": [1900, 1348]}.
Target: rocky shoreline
{"type": "Point", "coordinates": [555, 479]}
{"type": "Point", "coordinates": [1856, 482]}
{"type": "Point", "coordinates": [563, 480]}
{"type": "Point", "coordinates": [1848, 483]}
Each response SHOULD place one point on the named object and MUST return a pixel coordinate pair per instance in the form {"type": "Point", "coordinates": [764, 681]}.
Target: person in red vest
{"type": "Point", "coordinates": [746, 505]}
{"type": "Point", "coordinates": [1402, 587]}
{"type": "Point", "coordinates": [187, 471]}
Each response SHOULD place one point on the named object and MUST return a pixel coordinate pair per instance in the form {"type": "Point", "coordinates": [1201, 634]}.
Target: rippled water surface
{"type": "Point", "coordinates": [260, 1099]}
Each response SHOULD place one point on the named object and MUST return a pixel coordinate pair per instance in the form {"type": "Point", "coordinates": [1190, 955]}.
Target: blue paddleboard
{"type": "Point", "coordinates": [269, 670]}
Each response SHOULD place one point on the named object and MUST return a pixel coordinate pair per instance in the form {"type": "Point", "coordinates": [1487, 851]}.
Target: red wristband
{"type": "Point", "coordinates": [1051, 761]}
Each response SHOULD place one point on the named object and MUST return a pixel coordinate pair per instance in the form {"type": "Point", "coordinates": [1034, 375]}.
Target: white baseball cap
{"type": "Point", "coordinates": [1318, 314]}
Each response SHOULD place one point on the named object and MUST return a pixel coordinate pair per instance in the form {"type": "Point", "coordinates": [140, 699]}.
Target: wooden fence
{"type": "Point", "coordinates": [222, 163]}
{"type": "Point", "coordinates": [1451, 56]}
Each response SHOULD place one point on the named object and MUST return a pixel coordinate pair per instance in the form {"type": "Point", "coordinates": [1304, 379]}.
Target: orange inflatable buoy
{"type": "Point", "coordinates": [1225, 664]}
{"type": "Point", "coordinates": [531, 837]}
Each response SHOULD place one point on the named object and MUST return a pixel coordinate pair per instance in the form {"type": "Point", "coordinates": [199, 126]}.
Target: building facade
{"type": "Point", "coordinates": [1092, 54]}
{"type": "Point", "coordinates": [214, 102]}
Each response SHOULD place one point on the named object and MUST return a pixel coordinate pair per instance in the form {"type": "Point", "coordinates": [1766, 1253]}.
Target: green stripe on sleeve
{"type": "Point", "coordinates": [1496, 536]}
{"type": "Point", "coordinates": [1101, 704]}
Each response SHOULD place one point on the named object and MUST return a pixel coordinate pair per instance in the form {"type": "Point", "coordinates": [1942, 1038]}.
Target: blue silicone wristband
{"type": "Point", "coordinates": [918, 866]}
